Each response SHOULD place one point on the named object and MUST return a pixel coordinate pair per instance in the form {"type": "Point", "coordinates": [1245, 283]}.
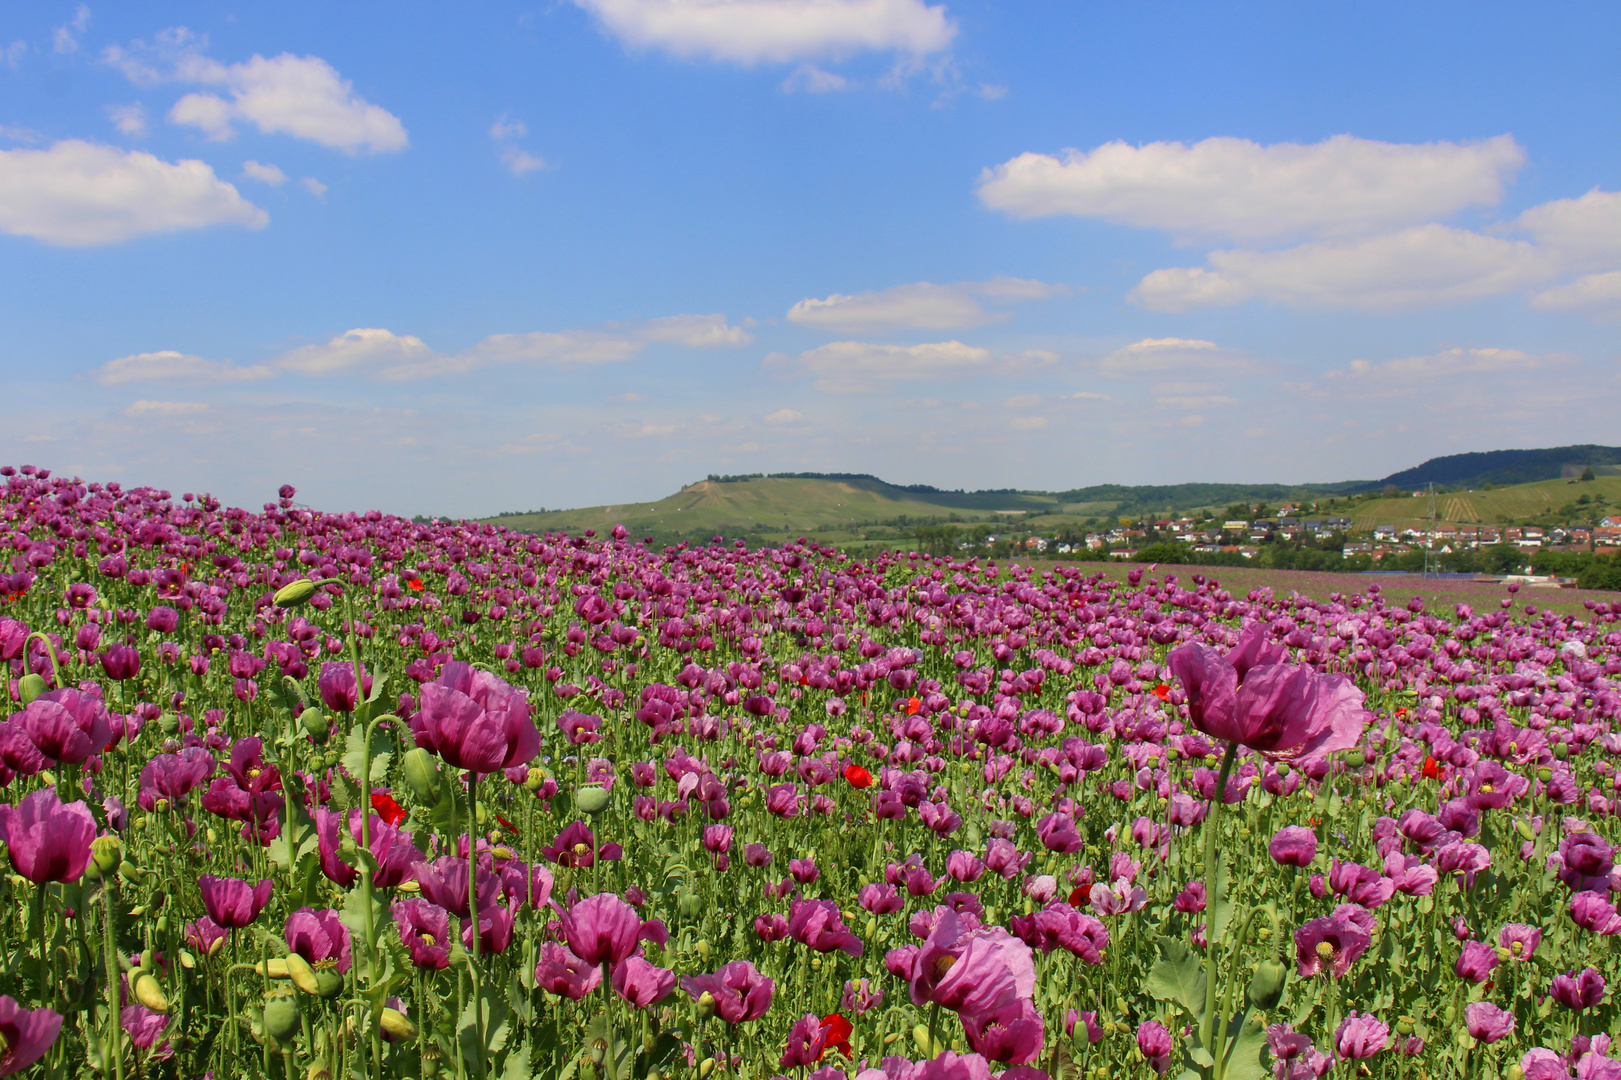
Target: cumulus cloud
{"type": "Point", "coordinates": [1343, 186]}
{"type": "Point", "coordinates": [175, 367]}
{"type": "Point", "coordinates": [11, 55]}
{"type": "Point", "coordinates": [265, 174]}
{"type": "Point", "coordinates": [517, 161]}
{"type": "Point", "coordinates": [1422, 266]}
{"type": "Point", "coordinates": [65, 38]}
{"type": "Point", "coordinates": [366, 348]}
{"type": "Point", "coordinates": [130, 120]}
{"type": "Point", "coordinates": [1160, 356]}
{"type": "Point", "coordinates": [1027, 423]}
{"type": "Point", "coordinates": [1456, 363]}
{"type": "Point", "coordinates": [774, 31]}
{"type": "Point", "coordinates": [165, 408]}
{"type": "Point", "coordinates": [856, 366]}
{"type": "Point", "coordinates": [919, 306]}
{"type": "Point", "coordinates": [1584, 232]}
{"type": "Point", "coordinates": [77, 193]}
{"type": "Point", "coordinates": [784, 416]}
{"type": "Point", "coordinates": [1597, 293]}
{"type": "Point", "coordinates": [314, 187]}
{"type": "Point", "coordinates": [301, 96]}
{"type": "Point", "coordinates": [810, 79]}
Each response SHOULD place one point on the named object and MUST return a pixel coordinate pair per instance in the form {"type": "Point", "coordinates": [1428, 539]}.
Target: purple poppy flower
{"type": "Point", "coordinates": [25, 1035]}
{"type": "Point", "coordinates": [337, 685]}
{"type": "Point", "coordinates": [561, 972]}
{"type": "Point", "coordinates": [1360, 1035]}
{"type": "Point", "coordinates": [68, 725]}
{"type": "Point", "coordinates": [1540, 1063]}
{"type": "Point", "coordinates": [963, 866]}
{"type": "Point", "coordinates": [1058, 833]}
{"type": "Point", "coordinates": [475, 721]}
{"type": "Point", "coordinates": [1154, 1042]}
{"type": "Point", "coordinates": [641, 983]}
{"type": "Point", "coordinates": [174, 776]}
{"type": "Point", "coordinates": [163, 619]}
{"type": "Point", "coordinates": [806, 1041]}
{"type": "Point", "coordinates": [970, 969]}
{"type": "Point", "coordinates": [1013, 1033]}
{"type": "Point", "coordinates": [495, 923]}
{"type": "Point", "coordinates": [740, 991]}
{"type": "Point", "coordinates": [319, 937]}
{"type": "Point", "coordinates": [859, 997]}
{"type": "Point", "coordinates": [47, 839]}
{"type": "Point", "coordinates": [603, 929]}
{"type": "Point", "coordinates": [425, 931]}
{"type": "Point", "coordinates": [233, 903]}
{"type": "Point", "coordinates": [396, 855]}
{"type": "Point", "coordinates": [1578, 992]}
{"type": "Point", "coordinates": [1332, 943]}
{"type": "Point", "coordinates": [1590, 911]}
{"type": "Point", "coordinates": [1475, 962]}
{"type": "Point", "coordinates": [576, 846]}
{"type": "Point", "coordinates": [1486, 1021]}
{"type": "Point", "coordinates": [1586, 860]}
{"type": "Point", "coordinates": [205, 935]}
{"type": "Point", "coordinates": [1520, 940]}
{"type": "Point", "coordinates": [1286, 712]}
{"type": "Point", "coordinates": [121, 662]}
{"type": "Point", "coordinates": [444, 882]}
{"type": "Point", "coordinates": [1060, 926]}
{"type": "Point", "coordinates": [817, 925]}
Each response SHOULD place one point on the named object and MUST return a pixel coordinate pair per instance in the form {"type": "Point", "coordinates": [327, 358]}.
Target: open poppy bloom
{"type": "Point", "coordinates": [387, 809]}
{"type": "Point", "coordinates": [1080, 895]}
{"type": "Point", "coordinates": [1432, 770]}
{"type": "Point", "coordinates": [510, 827]}
{"type": "Point", "coordinates": [858, 777]}
{"type": "Point", "coordinates": [912, 706]}
{"type": "Point", "coordinates": [838, 1031]}
{"type": "Point", "coordinates": [1162, 692]}
{"type": "Point", "coordinates": [415, 585]}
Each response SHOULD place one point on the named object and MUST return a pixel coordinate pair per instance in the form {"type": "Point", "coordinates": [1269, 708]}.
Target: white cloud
{"type": "Point", "coordinates": [1422, 266]}
{"type": "Point", "coordinates": [784, 416]}
{"type": "Point", "coordinates": [165, 408]}
{"type": "Point", "coordinates": [64, 39]}
{"type": "Point", "coordinates": [301, 96]}
{"type": "Point", "coordinates": [1028, 423]}
{"type": "Point", "coordinates": [314, 187]}
{"type": "Point", "coordinates": [920, 306]}
{"type": "Point", "coordinates": [856, 366]}
{"type": "Point", "coordinates": [171, 366]}
{"type": "Point", "coordinates": [1194, 401]}
{"type": "Point", "coordinates": [1159, 356]}
{"type": "Point", "coordinates": [11, 55]}
{"type": "Point", "coordinates": [1022, 401]}
{"type": "Point", "coordinates": [776, 31]}
{"type": "Point", "coordinates": [1343, 186]}
{"type": "Point", "coordinates": [1584, 232]}
{"type": "Point", "coordinates": [265, 174]}
{"type": "Point", "coordinates": [16, 133]}
{"type": "Point", "coordinates": [504, 129]}
{"type": "Point", "coordinates": [519, 162]}
{"type": "Point", "coordinates": [810, 79]}
{"type": "Point", "coordinates": [1452, 363]}
{"type": "Point", "coordinates": [129, 119]}
{"type": "Point", "coordinates": [77, 193]}
{"type": "Point", "coordinates": [358, 349]}
{"type": "Point", "coordinates": [1599, 293]}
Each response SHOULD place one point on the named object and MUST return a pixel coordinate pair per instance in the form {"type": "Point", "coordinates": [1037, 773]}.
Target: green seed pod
{"type": "Point", "coordinates": [1561, 751]}
{"type": "Point", "coordinates": [1266, 986]}
{"type": "Point", "coordinates": [1355, 759]}
{"type": "Point", "coordinates": [1406, 1025]}
{"type": "Point", "coordinates": [281, 1016]}
{"type": "Point", "coordinates": [422, 777]}
{"type": "Point", "coordinates": [395, 1023]}
{"type": "Point", "coordinates": [1284, 768]}
{"type": "Point", "coordinates": [328, 983]}
{"type": "Point", "coordinates": [169, 724]}
{"type": "Point", "coordinates": [535, 780]}
{"type": "Point", "coordinates": [303, 976]}
{"type": "Point", "coordinates": [295, 594]}
{"type": "Point", "coordinates": [149, 992]}
{"type": "Point", "coordinates": [1545, 774]}
{"type": "Point", "coordinates": [30, 686]}
{"type": "Point", "coordinates": [705, 1067]}
{"type": "Point", "coordinates": [591, 799]}
{"type": "Point", "coordinates": [106, 852]}
{"type": "Point", "coordinates": [689, 904]}
{"type": "Point", "coordinates": [316, 725]}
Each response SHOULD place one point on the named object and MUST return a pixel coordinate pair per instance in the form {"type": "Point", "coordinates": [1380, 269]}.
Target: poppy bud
{"type": "Point", "coordinates": [1266, 985]}
{"type": "Point", "coordinates": [395, 1023]}
{"type": "Point", "coordinates": [926, 1047]}
{"type": "Point", "coordinates": [705, 1067]}
{"type": "Point", "coordinates": [129, 872]}
{"type": "Point", "coordinates": [271, 969]}
{"type": "Point", "coordinates": [295, 594]}
{"type": "Point", "coordinates": [30, 686]}
{"type": "Point", "coordinates": [690, 905]}
{"type": "Point", "coordinates": [303, 976]}
{"type": "Point", "coordinates": [1515, 1072]}
{"type": "Point", "coordinates": [705, 1005]}
{"type": "Point", "coordinates": [1561, 751]}
{"type": "Point", "coordinates": [281, 1016]}
{"type": "Point", "coordinates": [169, 724]}
{"type": "Point", "coordinates": [702, 949]}
{"type": "Point", "coordinates": [317, 725]}
{"type": "Point", "coordinates": [422, 777]}
{"type": "Point", "coordinates": [188, 961]}
{"type": "Point", "coordinates": [149, 992]}
{"type": "Point", "coordinates": [1523, 827]}
{"type": "Point", "coordinates": [591, 799]}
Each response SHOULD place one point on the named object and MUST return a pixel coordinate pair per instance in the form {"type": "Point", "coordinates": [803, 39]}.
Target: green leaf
{"type": "Point", "coordinates": [1220, 905]}
{"type": "Point", "coordinates": [354, 754]}
{"type": "Point", "coordinates": [353, 915]}
{"type": "Point", "coordinates": [1179, 976]}
{"type": "Point", "coordinates": [664, 1049]}
{"type": "Point", "coordinates": [517, 1066]}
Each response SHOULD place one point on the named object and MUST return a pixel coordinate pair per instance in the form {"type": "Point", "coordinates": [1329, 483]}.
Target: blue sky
{"type": "Point", "coordinates": [589, 250]}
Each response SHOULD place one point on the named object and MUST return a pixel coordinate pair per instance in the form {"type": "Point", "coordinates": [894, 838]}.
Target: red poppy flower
{"type": "Point", "coordinates": [387, 809]}
{"type": "Point", "coordinates": [1401, 713]}
{"type": "Point", "coordinates": [1080, 895]}
{"type": "Point", "coordinates": [511, 828]}
{"type": "Point", "coordinates": [912, 706]}
{"type": "Point", "coordinates": [414, 585]}
{"type": "Point", "coordinates": [1432, 770]}
{"type": "Point", "coordinates": [858, 777]}
{"type": "Point", "coordinates": [838, 1031]}
{"type": "Point", "coordinates": [1162, 692]}
{"type": "Point", "coordinates": [185, 568]}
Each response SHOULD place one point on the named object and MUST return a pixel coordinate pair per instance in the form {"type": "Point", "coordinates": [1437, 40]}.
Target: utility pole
{"type": "Point", "coordinates": [1432, 558]}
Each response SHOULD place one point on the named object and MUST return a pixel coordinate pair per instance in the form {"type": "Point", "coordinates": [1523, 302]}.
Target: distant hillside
{"type": "Point", "coordinates": [1504, 467]}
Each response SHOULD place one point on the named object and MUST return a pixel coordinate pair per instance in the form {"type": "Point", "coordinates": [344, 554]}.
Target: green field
{"type": "Point", "coordinates": [1501, 505]}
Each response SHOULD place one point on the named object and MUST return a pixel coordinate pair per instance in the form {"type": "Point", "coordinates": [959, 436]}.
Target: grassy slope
{"type": "Point", "coordinates": [1501, 505]}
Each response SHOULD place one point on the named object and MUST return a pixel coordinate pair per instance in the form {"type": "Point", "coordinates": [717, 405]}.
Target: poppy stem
{"type": "Point", "coordinates": [472, 914]}
{"type": "Point", "coordinates": [109, 953]}
{"type": "Point", "coordinates": [1211, 1031]}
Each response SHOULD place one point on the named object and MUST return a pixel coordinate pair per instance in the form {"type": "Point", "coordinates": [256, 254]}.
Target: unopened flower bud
{"type": "Point", "coordinates": [422, 777]}
{"type": "Point", "coordinates": [1266, 986]}
{"type": "Point", "coordinates": [30, 686]}
{"type": "Point", "coordinates": [705, 1005]}
{"type": "Point", "coordinates": [107, 852]}
{"type": "Point", "coordinates": [303, 976]}
{"type": "Point", "coordinates": [316, 724]}
{"type": "Point", "coordinates": [1523, 827]}
{"type": "Point", "coordinates": [149, 992]}
{"type": "Point", "coordinates": [295, 594]}
{"type": "Point", "coordinates": [396, 1024]}
{"type": "Point", "coordinates": [705, 1067]}
{"type": "Point", "coordinates": [1561, 751]}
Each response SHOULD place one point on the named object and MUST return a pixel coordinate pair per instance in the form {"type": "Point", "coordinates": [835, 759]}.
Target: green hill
{"type": "Point", "coordinates": [1506, 467]}
{"type": "Point", "coordinates": [1541, 501]}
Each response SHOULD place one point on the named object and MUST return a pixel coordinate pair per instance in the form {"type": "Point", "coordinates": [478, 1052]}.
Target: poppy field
{"type": "Point", "coordinates": [287, 793]}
